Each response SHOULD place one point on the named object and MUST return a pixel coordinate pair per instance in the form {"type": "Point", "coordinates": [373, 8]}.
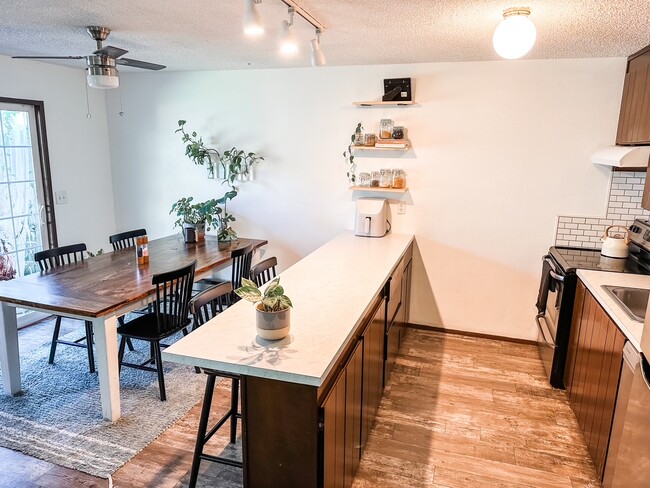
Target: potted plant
{"type": "Point", "coordinates": [272, 306]}
{"type": "Point", "coordinates": [193, 218]}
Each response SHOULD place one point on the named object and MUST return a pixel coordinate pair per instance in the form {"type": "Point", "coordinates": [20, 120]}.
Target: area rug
{"type": "Point", "coordinates": [58, 418]}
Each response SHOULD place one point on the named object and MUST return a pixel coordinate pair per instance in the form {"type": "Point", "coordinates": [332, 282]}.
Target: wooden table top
{"type": "Point", "coordinates": [108, 282]}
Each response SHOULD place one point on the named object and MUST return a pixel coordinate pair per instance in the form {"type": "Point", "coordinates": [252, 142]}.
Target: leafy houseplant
{"type": "Point", "coordinates": [232, 164]}
{"type": "Point", "coordinates": [273, 306]}
{"type": "Point", "coordinates": [349, 157]}
{"type": "Point", "coordinates": [194, 218]}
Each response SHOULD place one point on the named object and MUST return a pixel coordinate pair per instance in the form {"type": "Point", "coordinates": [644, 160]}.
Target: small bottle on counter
{"type": "Point", "coordinates": [142, 249]}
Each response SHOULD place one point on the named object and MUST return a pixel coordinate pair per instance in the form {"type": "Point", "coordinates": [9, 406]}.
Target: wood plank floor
{"type": "Point", "coordinates": [457, 412]}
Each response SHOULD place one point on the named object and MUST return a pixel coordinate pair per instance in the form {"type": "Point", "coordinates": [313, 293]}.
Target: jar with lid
{"type": "Point", "coordinates": [370, 140]}
{"type": "Point", "coordinates": [374, 179]}
{"type": "Point", "coordinates": [398, 132]}
{"type": "Point", "coordinates": [399, 179]}
{"type": "Point", "coordinates": [385, 176]}
{"type": "Point", "coordinates": [386, 129]}
{"type": "Point", "coordinates": [364, 179]}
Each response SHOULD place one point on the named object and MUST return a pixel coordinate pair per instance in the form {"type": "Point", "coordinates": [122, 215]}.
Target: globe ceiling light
{"type": "Point", "coordinates": [101, 72]}
{"type": "Point", "coordinates": [515, 35]}
{"type": "Point", "coordinates": [252, 20]}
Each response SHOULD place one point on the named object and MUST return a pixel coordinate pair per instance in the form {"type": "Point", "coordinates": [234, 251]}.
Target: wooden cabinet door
{"type": "Point", "coordinates": [593, 371]}
{"type": "Point", "coordinates": [373, 368]}
{"type": "Point", "coordinates": [333, 415]}
{"type": "Point", "coordinates": [353, 390]}
{"type": "Point", "coordinates": [634, 117]}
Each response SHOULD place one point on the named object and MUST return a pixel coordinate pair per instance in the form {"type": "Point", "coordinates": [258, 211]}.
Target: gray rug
{"type": "Point", "coordinates": [58, 418]}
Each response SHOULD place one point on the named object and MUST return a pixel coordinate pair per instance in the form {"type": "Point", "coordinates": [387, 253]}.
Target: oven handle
{"type": "Point", "coordinates": [538, 317]}
{"type": "Point", "coordinates": [553, 274]}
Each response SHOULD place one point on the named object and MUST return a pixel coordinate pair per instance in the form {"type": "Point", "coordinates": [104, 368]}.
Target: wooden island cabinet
{"type": "Point", "coordinates": [309, 402]}
{"type": "Point", "coordinates": [592, 372]}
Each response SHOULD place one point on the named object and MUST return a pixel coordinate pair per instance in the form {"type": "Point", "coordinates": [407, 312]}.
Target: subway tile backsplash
{"type": "Point", "coordinates": [623, 206]}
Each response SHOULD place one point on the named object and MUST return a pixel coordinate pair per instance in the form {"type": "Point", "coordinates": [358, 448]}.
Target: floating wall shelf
{"type": "Point", "coordinates": [380, 149]}
{"type": "Point", "coordinates": [378, 189]}
{"type": "Point", "coordinates": [385, 104]}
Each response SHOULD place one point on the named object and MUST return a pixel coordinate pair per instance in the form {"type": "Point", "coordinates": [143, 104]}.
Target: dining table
{"type": "Point", "coordinates": [101, 289]}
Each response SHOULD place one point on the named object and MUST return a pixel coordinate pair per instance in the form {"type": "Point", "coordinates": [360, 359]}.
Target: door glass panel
{"type": "Point", "coordinates": [22, 233]}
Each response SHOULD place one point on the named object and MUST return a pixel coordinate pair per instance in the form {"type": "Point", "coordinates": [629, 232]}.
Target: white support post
{"type": "Point", "coordinates": [105, 332]}
{"type": "Point", "coordinates": [9, 360]}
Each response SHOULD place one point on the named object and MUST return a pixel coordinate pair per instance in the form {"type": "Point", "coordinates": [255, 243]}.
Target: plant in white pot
{"type": "Point", "coordinates": [272, 307]}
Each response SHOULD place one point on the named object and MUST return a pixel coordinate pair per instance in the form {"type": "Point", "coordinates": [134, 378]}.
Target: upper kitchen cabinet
{"type": "Point", "coordinates": [634, 118]}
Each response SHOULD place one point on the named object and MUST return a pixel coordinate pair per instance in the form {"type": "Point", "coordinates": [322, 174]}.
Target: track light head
{"type": "Point", "coordinates": [253, 25]}
{"type": "Point", "coordinates": [317, 56]}
{"type": "Point", "coordinates": [288, 42]}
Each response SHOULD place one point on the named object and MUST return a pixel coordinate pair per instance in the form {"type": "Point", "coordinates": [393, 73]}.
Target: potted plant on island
{"type": "Point", "coordinates": [273, 306]}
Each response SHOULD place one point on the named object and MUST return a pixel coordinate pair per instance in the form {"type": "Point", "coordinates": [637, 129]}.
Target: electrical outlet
{"type": "Point", "coordinates": [61, 197]}
{"type": "Point", "coordinates": [401, 208]}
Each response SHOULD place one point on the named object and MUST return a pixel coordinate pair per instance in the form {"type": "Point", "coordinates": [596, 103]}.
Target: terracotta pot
{"type": "Point", "coordinates": [272, 326]}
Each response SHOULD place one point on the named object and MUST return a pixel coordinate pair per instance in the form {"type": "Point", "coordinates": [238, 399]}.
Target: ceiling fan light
{"type": "Point", "coordinates": [515, 35]}
{"type": "Point", "coordinates": [288, 43]}
{"type": "Point", "coordinates": [317, 56]}
{"type": "Point", "coordinates": [253, 25]}
{"type": "Point", "coordinates": [104, 82]}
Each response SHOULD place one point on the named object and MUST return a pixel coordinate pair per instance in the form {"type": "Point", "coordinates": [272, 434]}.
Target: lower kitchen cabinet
{"type": "Point", "coordinates": [592, 372]}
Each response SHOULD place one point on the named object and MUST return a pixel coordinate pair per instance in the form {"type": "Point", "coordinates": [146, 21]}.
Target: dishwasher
{"type": "Point", "coordinates": [628, 457]}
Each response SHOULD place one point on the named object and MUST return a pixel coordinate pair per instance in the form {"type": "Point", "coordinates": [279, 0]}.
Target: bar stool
{"type": "Point", "coordinates": [204, 306]}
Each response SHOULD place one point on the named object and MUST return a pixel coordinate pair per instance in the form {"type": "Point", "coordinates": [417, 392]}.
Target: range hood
{"type": "Point", "coordinates": [622, 156]}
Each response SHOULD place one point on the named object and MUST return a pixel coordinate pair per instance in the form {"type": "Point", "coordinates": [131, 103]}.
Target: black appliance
{"type": "Point", "coordinates": [558, 287]}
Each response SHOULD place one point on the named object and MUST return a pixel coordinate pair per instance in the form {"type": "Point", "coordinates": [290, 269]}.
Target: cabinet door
{"type": "Point", "coordinates": [634, 117]}
{"type": "Point", "coordinates": [353, 390]}
{"type": "Point", "coordinates": [333, 415]}
{"type": "Point", "coordinates": [373, 367]}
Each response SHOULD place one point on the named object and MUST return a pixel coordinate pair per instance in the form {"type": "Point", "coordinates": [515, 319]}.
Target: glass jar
{"type": "Point", "coordinates": [386, 129]}
{"type": "Point", "coordinates": [364, 179]}
{"type": "Point", "coordinates": [374, 179]}
{"type": "Point", "coordinates": [399, 179]}
{"type": "Point", "coordinates": [369, 140]}
{"type": "Point", "coordinates": [398, 132]}
{"type": "Point", "coordinates": [385, 177]}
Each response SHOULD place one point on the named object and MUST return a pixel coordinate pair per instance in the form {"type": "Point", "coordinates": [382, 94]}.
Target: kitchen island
{"type": "Point", "coordinates": [308, 401]}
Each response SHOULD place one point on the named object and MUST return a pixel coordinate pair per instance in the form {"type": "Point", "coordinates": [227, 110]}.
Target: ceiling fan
{"type": "Point", "coordinates": [100, 65]}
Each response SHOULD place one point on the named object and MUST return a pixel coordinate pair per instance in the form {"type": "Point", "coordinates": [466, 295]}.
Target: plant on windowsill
{"type": "Point", "coordinates": [272, 307]}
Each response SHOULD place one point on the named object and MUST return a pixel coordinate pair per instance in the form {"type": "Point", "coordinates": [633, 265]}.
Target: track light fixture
{"type": "Point", "coordinates": [252, 20]}
{"type": "Point", "coordinates": [317, 56]}
{"type": "Point", "coordinates": [288, 43]}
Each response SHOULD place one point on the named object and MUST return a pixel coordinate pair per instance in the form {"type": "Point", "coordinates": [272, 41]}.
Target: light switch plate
{"type": "Point", "coordinates": [61, 197]}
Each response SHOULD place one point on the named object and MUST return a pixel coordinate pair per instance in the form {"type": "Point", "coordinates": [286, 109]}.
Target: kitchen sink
{"type": "Point", "coordinates": [633, 300]}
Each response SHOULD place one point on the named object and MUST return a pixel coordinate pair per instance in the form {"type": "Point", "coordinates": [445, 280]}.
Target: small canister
{"type": "Point", "coordinates": [374, 179]}
{"type": "Point", "coordinates": [370, 140]}
{"type": "Point", "coordinates": [385, 177]}
{"type": "Point", "coordinates": [399, 179]}
{"type": "Point", "coordinates": [364, 179]}
{"type": "Point", "coordinates": [398, 132]}
{"type": "Point", "coordinates": [142, 249]}
{"type": "Point", "coordinates": [386, 129]}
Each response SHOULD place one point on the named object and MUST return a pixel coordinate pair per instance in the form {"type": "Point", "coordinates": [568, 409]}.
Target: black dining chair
{"type": "Point", "coordinates": [204, 307]}
{"type": "Point", "coordinates": [55, 258]}
{"type": "Point", "coordinates": [170, 315]}
{"type": "Point", "coordinates": [241, 268]}
{"type": "Point", "coordinates": [264, 271]}
{"type": "Point", "coordinates": [124, 240]}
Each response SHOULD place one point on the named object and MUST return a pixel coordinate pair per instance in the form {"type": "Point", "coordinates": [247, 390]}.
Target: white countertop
{"type": "Point", "coordinates": [594, 280]}
{"type": "Point", "coordinates": [331, 290]}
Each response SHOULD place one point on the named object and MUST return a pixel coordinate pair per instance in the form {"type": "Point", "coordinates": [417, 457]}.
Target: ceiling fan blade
{"type": "Point", "coordinates": [113, 52]}
{"type": "Point", "coordinates": [139, 64]}
{"type": "Point", "coordinates": [48, 57]}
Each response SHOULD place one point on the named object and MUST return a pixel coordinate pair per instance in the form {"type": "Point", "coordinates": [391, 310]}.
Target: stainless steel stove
{"type": "Point", "coordinates": [557, 292]}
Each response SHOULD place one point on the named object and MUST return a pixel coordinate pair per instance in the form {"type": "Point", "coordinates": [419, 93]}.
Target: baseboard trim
{"type": "Point", "coordinates": [471, 334]}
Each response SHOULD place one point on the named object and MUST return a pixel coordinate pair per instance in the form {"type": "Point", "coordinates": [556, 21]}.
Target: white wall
{"type": "Point", "coordinates": [500, 149]}
{"type": "Point", "coordinates": [78, 146]}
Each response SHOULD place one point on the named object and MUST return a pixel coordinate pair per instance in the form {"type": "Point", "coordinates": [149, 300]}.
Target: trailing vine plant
{"type": "Point", "coordinates": [233, 164]}
{"type": "Point", "coordinates": [349, 157]}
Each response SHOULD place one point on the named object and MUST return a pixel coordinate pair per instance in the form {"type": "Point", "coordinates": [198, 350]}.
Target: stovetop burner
{"type": "Point", "coordinates": [571, 259]}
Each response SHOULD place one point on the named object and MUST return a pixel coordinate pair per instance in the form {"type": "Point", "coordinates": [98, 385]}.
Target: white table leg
{"type": "Point", "coordinates": [9, 360]}
{"type": "Point", "coordinates": [105, 331]}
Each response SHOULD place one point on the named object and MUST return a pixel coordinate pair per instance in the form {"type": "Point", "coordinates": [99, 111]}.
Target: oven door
{"type": "Point", "coordinates": [548, 320]}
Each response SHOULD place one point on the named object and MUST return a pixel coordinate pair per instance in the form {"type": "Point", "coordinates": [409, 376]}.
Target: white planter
{"type": "Point", "coordinates": [272, 326]}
